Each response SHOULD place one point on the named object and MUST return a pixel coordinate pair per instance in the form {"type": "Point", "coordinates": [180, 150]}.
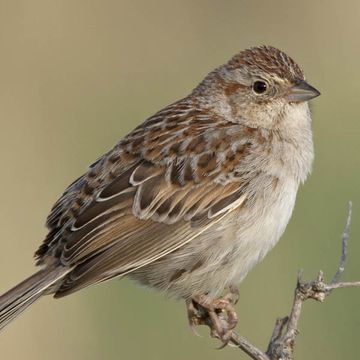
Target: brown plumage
{"type": "Point", "coordinates": [146, 183]}
{"type": "Point", "coordinates": [177, 199]}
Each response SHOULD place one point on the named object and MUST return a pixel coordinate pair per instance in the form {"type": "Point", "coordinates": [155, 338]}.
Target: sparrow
{"type": "Point", "coordinates": [191, 199]}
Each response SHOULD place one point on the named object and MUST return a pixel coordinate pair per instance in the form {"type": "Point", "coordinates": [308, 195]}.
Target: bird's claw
{"type": "Point", "coordinates": [219, 314]}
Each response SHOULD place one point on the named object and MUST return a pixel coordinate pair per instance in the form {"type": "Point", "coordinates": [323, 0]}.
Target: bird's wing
{"type": "Point", "coordinates": [160, 187]}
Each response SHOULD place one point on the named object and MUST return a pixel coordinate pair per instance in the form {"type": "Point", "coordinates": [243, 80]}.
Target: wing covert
{"type": "Point", "coordinates": [160, 187]}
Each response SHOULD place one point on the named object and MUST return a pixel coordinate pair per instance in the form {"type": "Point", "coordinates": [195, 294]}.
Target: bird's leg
{"type": "Point", "coordinates": [203, 310]}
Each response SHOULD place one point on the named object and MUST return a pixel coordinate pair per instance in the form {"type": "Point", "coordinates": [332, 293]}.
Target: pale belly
{"type": "Point", "coordinates": [224, 254]}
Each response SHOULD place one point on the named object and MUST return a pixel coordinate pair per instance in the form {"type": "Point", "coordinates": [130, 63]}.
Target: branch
{"type": "Point", "coordinates": [344, 242]}
{"type": "Point", "coordinates": [282, 341]}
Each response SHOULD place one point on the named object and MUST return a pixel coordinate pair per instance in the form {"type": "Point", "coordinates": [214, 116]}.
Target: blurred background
{"type": "Point", "coordinates": [77, 75]}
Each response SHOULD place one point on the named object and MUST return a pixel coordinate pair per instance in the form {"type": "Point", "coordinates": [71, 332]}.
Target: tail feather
{"type": "Point", "coordinates": [17, 299]}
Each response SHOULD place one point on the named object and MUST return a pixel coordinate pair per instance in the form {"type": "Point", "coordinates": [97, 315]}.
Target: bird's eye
{"type": "Point", "coordinates": [260, 87]}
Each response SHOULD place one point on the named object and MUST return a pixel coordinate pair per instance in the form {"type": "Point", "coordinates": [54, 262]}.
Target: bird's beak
{"type": "Point", "coordinates": [301, 91]}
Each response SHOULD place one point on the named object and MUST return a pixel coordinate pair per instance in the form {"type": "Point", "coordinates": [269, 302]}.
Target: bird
{"type": "Point", "coordinates": [191, 199]}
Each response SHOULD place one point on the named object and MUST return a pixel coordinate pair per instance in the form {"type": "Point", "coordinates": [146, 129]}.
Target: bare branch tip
{"type": "Point", "coordinates": [348, 221]}
{"type": "Point", "coordinates": [344, 242]}
{"type": "Point", "coordinates": [299, 277]}
{"type": "Point", "coordinates": [320, 277]}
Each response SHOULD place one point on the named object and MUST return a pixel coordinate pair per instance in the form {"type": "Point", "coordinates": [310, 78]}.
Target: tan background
{"type": "Point", "coordinates": [75, 76]}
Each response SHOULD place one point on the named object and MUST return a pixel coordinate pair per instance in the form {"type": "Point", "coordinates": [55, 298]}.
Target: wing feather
{"type": "Point", "coordinates": [126, 256]}
{"type": "Point", "coordinates": [147, 197]}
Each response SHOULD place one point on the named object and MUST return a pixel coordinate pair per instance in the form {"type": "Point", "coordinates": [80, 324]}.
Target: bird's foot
{"type": "Point", "coordinates": [219, 314]}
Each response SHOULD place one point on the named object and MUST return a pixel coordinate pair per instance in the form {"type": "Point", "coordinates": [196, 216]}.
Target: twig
{"type": "Point", "coordinates": [248, 348]}
{"type": "Point", "coordinates": [282, 342]}
{"type": "Point", "coordinates": [344, 241]}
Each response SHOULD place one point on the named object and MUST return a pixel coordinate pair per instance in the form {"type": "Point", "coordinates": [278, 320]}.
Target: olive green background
{"type": "Point", "coordinates": [75, 76]}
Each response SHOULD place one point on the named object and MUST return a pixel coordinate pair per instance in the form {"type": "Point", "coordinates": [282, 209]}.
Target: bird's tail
{"type": "Point", "coordinates": [17, 299]}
